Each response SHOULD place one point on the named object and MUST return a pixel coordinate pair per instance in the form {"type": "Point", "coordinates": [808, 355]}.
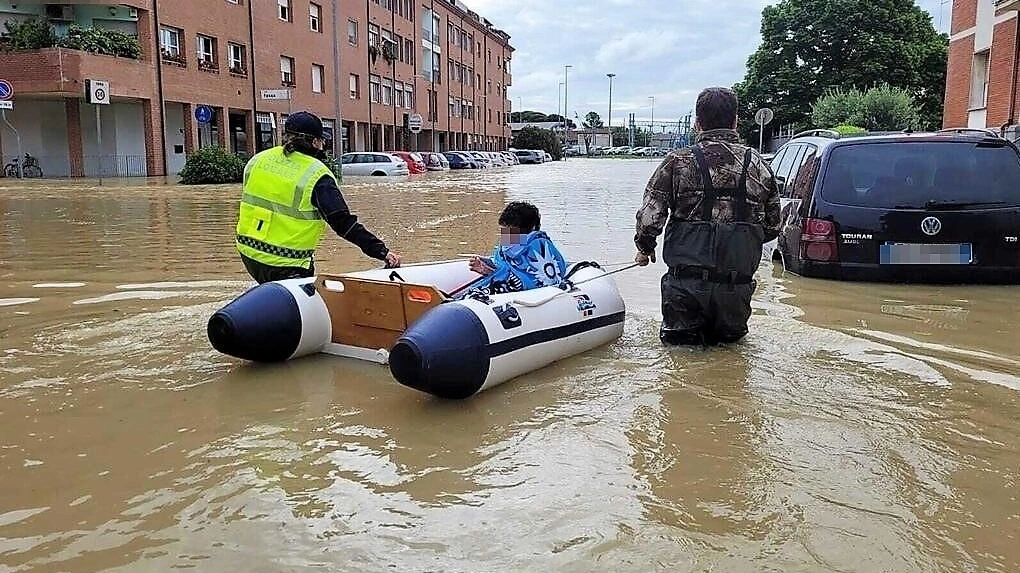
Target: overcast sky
{"type": "Point", "coordinates": [668, 49]}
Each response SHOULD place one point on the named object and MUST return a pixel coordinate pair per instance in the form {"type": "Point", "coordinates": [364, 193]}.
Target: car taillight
{"type": "Point", "coordinates": [818, 241]}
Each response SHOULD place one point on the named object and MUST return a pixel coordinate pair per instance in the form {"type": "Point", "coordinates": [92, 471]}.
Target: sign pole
{"type": "Point", "coordinates": [763, 117]}
{"type": "Point", "coordinates": [99, 136]}
{"type": "Point", "coordinates": [18, 137]}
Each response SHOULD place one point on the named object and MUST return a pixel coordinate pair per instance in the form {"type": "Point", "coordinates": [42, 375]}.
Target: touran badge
{"type": "Point", "coordinates": [931, 226]}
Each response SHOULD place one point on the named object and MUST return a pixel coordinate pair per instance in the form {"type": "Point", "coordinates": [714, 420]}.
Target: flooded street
{"type": "Point", "coordinates": [860, 427]}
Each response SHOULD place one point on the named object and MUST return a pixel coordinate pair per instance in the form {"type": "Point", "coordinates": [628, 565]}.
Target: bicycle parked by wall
{"type": "Point", "coordinates": [29, 169]}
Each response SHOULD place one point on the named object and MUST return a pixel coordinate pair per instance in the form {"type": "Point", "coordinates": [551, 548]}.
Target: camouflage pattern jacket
{"type": "Point", "coordinates": [675, 190]}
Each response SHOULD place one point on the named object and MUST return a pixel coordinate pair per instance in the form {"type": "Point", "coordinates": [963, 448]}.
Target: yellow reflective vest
{"type": "Point", "coordinates": [278, 225]}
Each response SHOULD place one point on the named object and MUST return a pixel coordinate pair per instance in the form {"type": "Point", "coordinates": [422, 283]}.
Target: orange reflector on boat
{"type": "Point", "coordinates": [419, 295]}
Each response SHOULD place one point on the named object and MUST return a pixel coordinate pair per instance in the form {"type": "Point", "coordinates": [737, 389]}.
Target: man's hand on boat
{"type": "Point", "coordinates": [481, 266]}
{"type": "Point", "coordinates": [642, 259]}
{"type": "Point", "coordinates": [392, 260]}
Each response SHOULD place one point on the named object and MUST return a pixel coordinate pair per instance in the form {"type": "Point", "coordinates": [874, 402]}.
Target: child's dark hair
{"type": "Point", "coordinates": [522, 215]}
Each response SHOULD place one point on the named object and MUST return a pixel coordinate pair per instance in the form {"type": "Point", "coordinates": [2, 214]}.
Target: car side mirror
{"type": "Point", "coordinates": [780, 182]}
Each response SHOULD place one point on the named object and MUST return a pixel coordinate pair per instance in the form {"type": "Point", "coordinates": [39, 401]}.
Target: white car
{"type": "Point", "coordinates": [498, 160]}
{"type": "Point", "coordinates": [482, 159]}
{"type": "Point", "coordinates": [372, 163]}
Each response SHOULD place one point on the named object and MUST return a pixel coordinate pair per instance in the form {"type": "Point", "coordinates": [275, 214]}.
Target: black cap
{"type": "Point", "coordinates": [304, 123]}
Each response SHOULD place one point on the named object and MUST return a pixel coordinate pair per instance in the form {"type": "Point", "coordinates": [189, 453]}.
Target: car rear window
{"type": "Point", "coordinates": [923, 175]}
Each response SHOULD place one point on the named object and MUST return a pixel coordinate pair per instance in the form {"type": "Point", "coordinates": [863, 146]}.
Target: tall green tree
{"type": "Point", "coordinates": [810, 46]}
{"type": "Point", "coordinates": [592, 119]}
{"type": "Point", "coordinates": [532, 137]}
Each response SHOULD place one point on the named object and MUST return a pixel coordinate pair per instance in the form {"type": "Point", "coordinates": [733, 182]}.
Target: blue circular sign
{"type": "Point", "coordinates": [203, 114]}
{"type": "Point", "coordinates": [6, 90]}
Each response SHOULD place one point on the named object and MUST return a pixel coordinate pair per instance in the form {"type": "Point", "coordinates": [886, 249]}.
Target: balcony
{"type": "Point", "coordinates": [63, 71]}
{"type": "Point", "coordinates": [1003, 5]}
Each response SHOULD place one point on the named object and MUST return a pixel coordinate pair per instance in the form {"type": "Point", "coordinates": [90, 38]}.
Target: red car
{"type": "Point", "coordinates": [415, 163]}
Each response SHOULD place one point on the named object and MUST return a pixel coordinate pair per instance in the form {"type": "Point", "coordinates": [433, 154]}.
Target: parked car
{"type": "Point", "coordinates": [547, 156]}
{"type": "Point", "coordinates": [511, 158]}
{"type": "Point", "coordinates": [372, 163]}
{"type": "Point", "coordinates": [483, 160]}
{"type": "Point", "coordinates": [435, 161]}
{"type": "Point", "coordinates": [460, 160]}
{"type": "Point", "coordinates": [497, 159]}
{"type": "Point", "coordinates": [415, 162]}
{"type": "Point", "coordinates": [529, 156]}
{"type": "Point", "coordinates": [932, 207]}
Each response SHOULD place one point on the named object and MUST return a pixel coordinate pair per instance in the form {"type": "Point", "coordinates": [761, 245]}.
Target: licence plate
{"type": "Point", "coordinates": [920, 254]}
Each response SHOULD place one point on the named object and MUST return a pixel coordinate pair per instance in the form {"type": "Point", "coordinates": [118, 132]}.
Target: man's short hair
{"type": "Point", "coordinates": [522, 215]}
{"type": "Point", "coordinates": [716, 108]}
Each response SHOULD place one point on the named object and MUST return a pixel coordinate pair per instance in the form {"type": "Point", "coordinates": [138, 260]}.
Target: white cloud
{"type": "Point", "coordinates": [669, 49]}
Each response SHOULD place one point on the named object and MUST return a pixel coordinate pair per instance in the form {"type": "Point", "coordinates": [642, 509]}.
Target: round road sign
{"type": "Point", "coordinates": [203, 114]}
{"type": "Point", "coordinates": [764, 116]}
{"type": "Point", "coordinates": [6, 90]}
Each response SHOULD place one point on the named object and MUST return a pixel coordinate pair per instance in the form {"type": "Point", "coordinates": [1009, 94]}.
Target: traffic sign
{"type": "Point", "coordinates": [764, 116]}
{"type": "Point", "coordinates": [6, 104]}
{"type": "Point", "coordinates": [414, 122]}
{"type": "Point", "coordinates": [6, 90]}
{"type": "Point", "coordinates": [275, 94]}
{"type": "Point", "coordinates": [203, 114]}
{"type": "Point", "coordinates": [97, 91]}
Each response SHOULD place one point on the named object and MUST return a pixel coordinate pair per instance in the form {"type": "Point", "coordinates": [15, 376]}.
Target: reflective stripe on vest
{"type": "Point", "coordinates": [278, 225]}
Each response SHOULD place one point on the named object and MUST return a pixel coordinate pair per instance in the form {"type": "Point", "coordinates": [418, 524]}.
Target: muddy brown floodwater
{"type": "Point", "coordinates": [865, 428]}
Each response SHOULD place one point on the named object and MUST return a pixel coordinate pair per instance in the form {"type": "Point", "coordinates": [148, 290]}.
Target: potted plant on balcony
{"type": "Point", "coordinates": [238, 70]}
{"type": "Point", "coordinates": [208, 65]}
{"type": "Point", "coordinates": [174, 58]}
{"type": "Point", "coordinates": [32, 34]}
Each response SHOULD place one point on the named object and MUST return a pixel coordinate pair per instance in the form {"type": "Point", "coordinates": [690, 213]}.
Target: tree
{"type": "Point", "coordinates": [882, 108]}
{"type": "Point", "coordinates": [810, 46]}
{"type": "Point", "coordinates": [592, 121]}
{"type": "Point", "coordinates": [528, 117]}
{"type": "Point", "coordinates": [837, 107]}
{"type": "Point", "coordinates": [886, 108]}
{"type": "Point", "coordinates": [532, 137]}
{"type": "Point", "coordinates": [559, 119]}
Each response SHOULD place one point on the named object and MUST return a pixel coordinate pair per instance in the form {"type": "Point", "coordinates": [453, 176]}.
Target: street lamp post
{"type": "Point", "coordinates": [610, 121]}
{"type": "Point", "coordinates": [565, 70]}
{"type": "Point", "coordinates": [651, 131]}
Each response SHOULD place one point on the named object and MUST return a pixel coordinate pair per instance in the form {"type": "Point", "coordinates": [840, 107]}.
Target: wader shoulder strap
{"type": "Point", "coordinates": [709, 198]}
{"type": "Point", "coordinates": [743, 210]}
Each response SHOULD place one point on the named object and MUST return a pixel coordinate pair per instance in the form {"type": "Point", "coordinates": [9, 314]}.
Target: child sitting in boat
{"type": "Point", "coordinates": [525, 259]}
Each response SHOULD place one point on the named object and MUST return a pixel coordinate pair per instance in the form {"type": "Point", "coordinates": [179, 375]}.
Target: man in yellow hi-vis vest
{"type": "Point", "coordinates": [289, 197]}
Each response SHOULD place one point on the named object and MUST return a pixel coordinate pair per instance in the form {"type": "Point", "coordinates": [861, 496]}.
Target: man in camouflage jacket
{"type": "Point", "coordinates": [719, 204]}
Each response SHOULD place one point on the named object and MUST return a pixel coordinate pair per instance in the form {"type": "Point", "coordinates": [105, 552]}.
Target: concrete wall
{"type": "Point", "coordinates": [42, 126]}
{"type": "Point", "coordinates": [123, 150]}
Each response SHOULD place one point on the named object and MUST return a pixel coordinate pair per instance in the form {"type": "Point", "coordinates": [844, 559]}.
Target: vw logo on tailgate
{"type": "Point", "coordinates": [931, 226]}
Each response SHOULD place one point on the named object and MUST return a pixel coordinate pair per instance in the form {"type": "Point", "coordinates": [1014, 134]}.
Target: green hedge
{"type": "Point", "coordinates": [100, 41]}
{"type": "Point", "coordinates": [38, 33]}
{"type": "Point", "coordinates": [212, 165]}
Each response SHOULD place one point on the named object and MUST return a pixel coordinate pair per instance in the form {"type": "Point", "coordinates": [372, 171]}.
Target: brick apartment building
{"type": "Point", "coordinates": [981, 86]}
{"type": "Point", "coordinates": [395, 58]}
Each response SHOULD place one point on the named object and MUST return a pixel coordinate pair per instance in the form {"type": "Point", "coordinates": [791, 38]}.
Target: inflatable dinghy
{"type": "Point", "coordinates": [452, 348]}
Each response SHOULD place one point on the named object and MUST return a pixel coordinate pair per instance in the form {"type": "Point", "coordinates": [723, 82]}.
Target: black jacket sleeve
{"type": "Point", "coordinates": [326, 197]}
